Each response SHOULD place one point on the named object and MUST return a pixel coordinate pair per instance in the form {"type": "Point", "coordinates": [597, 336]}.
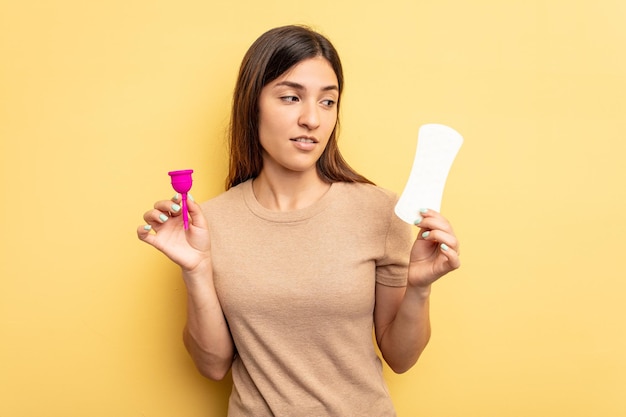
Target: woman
{"type": "Point", "coordinates": [288, 270]}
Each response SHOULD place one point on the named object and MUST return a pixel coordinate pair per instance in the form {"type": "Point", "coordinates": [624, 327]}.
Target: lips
{"type": "Point", "coordinates": [305, 143]}
{"type": "Point", "coordinates": [304, 139]}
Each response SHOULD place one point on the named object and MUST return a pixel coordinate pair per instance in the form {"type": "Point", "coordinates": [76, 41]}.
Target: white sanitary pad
{"type": "Point", "coordinates": [437, 146]}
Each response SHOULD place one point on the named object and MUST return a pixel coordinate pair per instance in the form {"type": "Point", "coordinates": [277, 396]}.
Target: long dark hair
{"type": "Point", "coordinates": [271, 55]}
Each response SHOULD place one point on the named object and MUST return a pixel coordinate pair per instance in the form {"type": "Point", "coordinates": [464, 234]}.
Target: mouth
{"type": "Point", "coordinates": [304, 139]}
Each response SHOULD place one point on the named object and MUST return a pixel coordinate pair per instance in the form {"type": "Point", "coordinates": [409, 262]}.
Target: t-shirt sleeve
{"type": "Point", "coordinates": [392, 268]}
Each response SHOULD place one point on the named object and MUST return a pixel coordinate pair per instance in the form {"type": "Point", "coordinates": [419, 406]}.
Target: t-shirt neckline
{"type": "Point", "coordinates": [285, 216]}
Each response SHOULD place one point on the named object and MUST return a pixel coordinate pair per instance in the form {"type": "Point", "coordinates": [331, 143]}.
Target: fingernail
{"type": "Point", "coordinates": [423, 210]}
{"type": "Point", "coordinates": [176, 196]}
{"type": "Point", "coordinates": [175, 208]}
{"type": "Point", "coordinates": [425, 234]}
{"type": "Point", "coordinates": [163, 217]}
{"type": "Point", "coordinates": [147, 227]}
{"type": "Point", "coordinates": [418, 220]}
{"type": "Point", "coordinates": [189, 196]}
{"type": "Point", "coordinates": [444, 247]}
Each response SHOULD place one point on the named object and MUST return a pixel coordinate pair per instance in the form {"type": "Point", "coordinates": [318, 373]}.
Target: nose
{"type": "Point", "coordinates": [309, 117]}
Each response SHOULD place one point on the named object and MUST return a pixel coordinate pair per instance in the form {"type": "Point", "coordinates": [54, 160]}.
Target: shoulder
{"type": "Point", "coordinates": [224, 202]}
{"type": "Point", "coordinates": [367, 193]}
{"type": "Point", "coordinates": [365, 202]}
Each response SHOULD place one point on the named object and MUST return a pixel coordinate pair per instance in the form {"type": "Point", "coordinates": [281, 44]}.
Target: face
{"type": "Point", "coordinates": [297, 114]}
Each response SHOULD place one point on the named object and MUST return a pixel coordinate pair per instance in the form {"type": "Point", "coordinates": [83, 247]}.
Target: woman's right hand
{"type": "Point", "coordinates": [206, 335]}
{"type": "Point", "coordinates": [190, 248]}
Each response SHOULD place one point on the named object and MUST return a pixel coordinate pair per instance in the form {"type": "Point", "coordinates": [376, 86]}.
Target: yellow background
{"type": "Point", "coordinates": [98, 100]}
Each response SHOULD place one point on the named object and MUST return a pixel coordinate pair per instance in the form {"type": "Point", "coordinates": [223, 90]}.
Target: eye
{"type": "Point", "coordinates": [290, 99]}
{"type": "Point", "coordinates": [328, 102]}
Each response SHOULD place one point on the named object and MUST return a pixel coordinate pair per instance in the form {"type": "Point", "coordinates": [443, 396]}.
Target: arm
{"type": "Point", "coordinates": [401, 315]}
{"type": "Point", "coordinates": [206, 335]}
{"type": "Point", "coordinates": [402, 325]}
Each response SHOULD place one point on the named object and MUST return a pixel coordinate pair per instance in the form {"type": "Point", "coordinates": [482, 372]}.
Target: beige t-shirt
{"type": "Point", "coordinates": [297, 289]}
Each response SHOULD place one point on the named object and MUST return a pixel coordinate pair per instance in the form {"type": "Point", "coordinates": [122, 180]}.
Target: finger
{"type": "Point", "coordinates": [196, 215]}
{"type": "Point", "coordinates": [426, 212]}
{"type": "Point", "coordinates": [143, 233]}
{"type": "Point", "coordinates": [453, 256]}
{"type": "Point", "coordinates": [441, 237]}
{"type": "Point", "coordinates": [169, 207]}
{"type": "Point", "coordinates": [155, 217]}
{"type": "Point", "coordinates": [431, 220]}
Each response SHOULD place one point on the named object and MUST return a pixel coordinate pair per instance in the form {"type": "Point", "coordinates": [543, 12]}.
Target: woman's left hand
{"type": "Point", "coordinates": [435, 251]}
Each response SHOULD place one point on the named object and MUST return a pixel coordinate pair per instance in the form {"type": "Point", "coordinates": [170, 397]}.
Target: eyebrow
{"type": "Point", "coordinates": [298, 86]}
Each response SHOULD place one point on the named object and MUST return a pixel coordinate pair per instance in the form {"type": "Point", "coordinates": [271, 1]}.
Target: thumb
{"type": "Point", "coordinates": [196, 215]}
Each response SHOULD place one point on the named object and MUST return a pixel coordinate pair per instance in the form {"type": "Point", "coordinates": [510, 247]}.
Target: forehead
{"type": "Point", "coordinates": [315, 71]}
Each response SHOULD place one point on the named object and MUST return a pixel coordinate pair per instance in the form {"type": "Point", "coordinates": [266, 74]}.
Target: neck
{"type": "Point", "coordinates": [288, 192]}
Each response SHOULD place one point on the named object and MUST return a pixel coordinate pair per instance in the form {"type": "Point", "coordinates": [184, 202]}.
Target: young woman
{"type": "Point", "coordinates": [288, 271]}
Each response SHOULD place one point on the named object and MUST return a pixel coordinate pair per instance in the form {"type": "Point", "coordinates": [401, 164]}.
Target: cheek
{"type": "Point", "coordinates": [331, 124]}
{"type": "Point", "coordinates": [269, 127]}
{"type": "Point", "coordinates": [265, 121]}
{"type": "Point", "coordinates": [272, 118]}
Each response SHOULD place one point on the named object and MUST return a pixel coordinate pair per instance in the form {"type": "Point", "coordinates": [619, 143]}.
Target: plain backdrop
{"type": "Point", "coordinates": [99, 99]}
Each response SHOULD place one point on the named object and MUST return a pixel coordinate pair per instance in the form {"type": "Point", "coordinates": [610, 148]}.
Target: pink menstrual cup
{"type": "Point", "coordinates": [181, 181]}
